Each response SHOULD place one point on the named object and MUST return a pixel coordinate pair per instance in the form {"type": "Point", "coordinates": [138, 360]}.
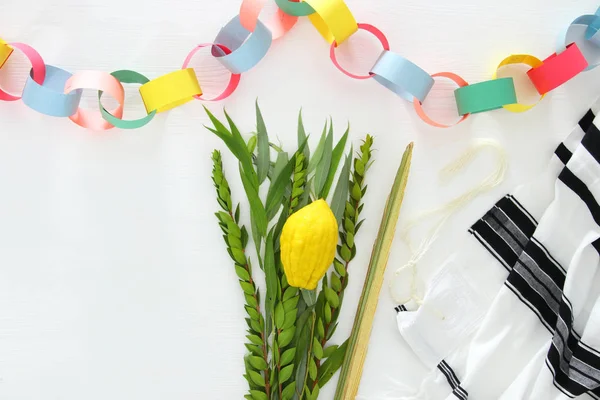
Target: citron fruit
{"type": "Point", "coordinates": [308, 243]}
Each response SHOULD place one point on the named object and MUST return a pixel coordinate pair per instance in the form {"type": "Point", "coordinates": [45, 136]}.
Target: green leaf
{"type": "Point", "coordinates": [339, 267]}
{"type": "Point", "coordinates": [252, 144]}
{"type": "Point", "coordinates": [349, 212]}
{"type": "Point", "coordinates": [288, 391]}
{"type": "Point", "coordinates": [263, 155]}
{"type": "Point", "coordinates": [359, 167]}
{"type": "Point", "coordinates": [359, 225]}
{"type": "Point", "coordinates": [331, 331]}
{"type": "Point", "coordinates": [257, 210]}
{"type": "Point", "coordinates": [286, 373]}
{"type": "Point", "coordinates": [275, 147]}
{"type": "Point", "coordinates": [239, 256]}
{"type": "Point", "coordinates": [350, 239]}
{"type": "Point", "coordinates": [290, 304]}
{"type": "Point", "coordinates": [253, 313]}
{"type": "Point", "coordinates": [244, 237]}
{"type": "Point", "coordinates": [233, 228]}
{"type": "Point", "coordinates": [242, 273]}
{"type": "Point", "coordinates": [346, 253]}
{"type": "Point", "coordinates": [336, 156]}
{"type": "Point", "coordinates": [306, 391]}
{"type": "Point", "coordinates": [275, 350]}
{"type": "Point", "coordinates": [257, 378]}
{"type": "Point", "coordinates": [305, 198]}
{"type": "Point", "coordinates": [283, 216]}
{"type": "Point", "coordinates": [272, 379]}
{"type": "Point", "coordinates": [234, 141]}
{"type": "Point", "coordinates": [258, 395]}
{"type": "Point", "coordinates": [310, 296]}
{"type": "Point", "coordinates": [286, 337]}
{"type": "Point", "coordinates": [235, 241]}
{"type": "Point", "coordinates": [349, 225]}
{"type": "Point", "coordinates": [303, 330]}
{"type": "Point", "coordinates": [289, 293]}
{"type": "Point", "coordinates": [247, 156]}
{"type": "Point", "coordinates": [317, 349]}
{"type": "Point", "coordinates": [297, 192]}
{"type": "Point", "coordinates": [279, 315]}
{"type": "Point", "coordinates": [257, 240]}
{"type": "Point", "coordinates": [223, 217]}
{"type": "Point", "coordinates": [237, 150]}
{"type": "Point", "coordinates": [271, 278]}
{"type": "Point", "coordinates": [254, 349]}
{"type": "Point", "coordinates": [252, 384]}
{"type": "Point", "coordinates": [278, 187]}
{"type": "Point", "coordinates": [247, 287]}
{"type": "Point", "coordinates": [332, 297]}
{"type": "Point", "coordinates": [258, 363]}
{"type": "Point", "coordinates": [322, 170]}
{"type": "Point", "coordinates": [235, 131]}
{"type": "Point", "coordinates": [302, 137]}
{"type": "Point", "coordinates": [287, 356]}
{"type": "Point", "coordinates": [280, 163]}
{"type": "Point", "coordinates": [305, 326]}
{"type": "Point", "coordinates": [336, 283]}
{"type": "Point", "coordinates": [251, 300]}
{"type": "Point", "coordinates": [340, 194]}
{"type": "Point", "coordinates": [356, 192]}
{"type": "Point", "coordinates": [327, 313]}
{"type": "Point", "coordinates": [329, 351]}
{"type": "Point", "coordinates": [318, 154]}
{"type": "Point", "coordinates": [315, 393]}
{"type": "Point", "coordinates": [332, 364]}
{"type": "Point", "coordinates": [255, 325]}
{"type": "Point", "coordinates": [312, 369]}
{"type": "Point", "coordinates": [290, 319]}
{"type": "Point", "coordinates": [320, 326]}
{"type": "Point", "coordinates": [255, 339]}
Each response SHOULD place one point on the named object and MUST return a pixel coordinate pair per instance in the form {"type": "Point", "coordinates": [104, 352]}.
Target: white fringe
{"type": "Point", "coordinates": [448, 210]}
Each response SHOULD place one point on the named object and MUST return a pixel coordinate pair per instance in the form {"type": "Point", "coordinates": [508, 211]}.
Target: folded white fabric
{"type": "Point", "coordinates": [516, 313]}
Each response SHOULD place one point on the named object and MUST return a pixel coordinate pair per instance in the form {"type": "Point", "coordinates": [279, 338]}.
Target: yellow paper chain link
{"type": "Point", "coordinates": [5, 52]}
{"type": "Point", "coordinates": [333, 19]}
{"type": "Point", "coordinates": [526, 59]}
{"type": "Point", "coordinates": [170, 90]}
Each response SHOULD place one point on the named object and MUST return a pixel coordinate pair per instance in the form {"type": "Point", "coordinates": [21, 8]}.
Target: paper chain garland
{"type": "Point", "coordinates": [245, 40]}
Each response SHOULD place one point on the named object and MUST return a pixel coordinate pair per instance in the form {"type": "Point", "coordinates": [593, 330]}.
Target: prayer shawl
{"type": "Point", "coordinates": [516, 313]}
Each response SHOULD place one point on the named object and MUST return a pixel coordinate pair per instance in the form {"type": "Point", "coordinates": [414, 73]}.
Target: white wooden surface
{"type": "Point", "coordinates": [114, 282]}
